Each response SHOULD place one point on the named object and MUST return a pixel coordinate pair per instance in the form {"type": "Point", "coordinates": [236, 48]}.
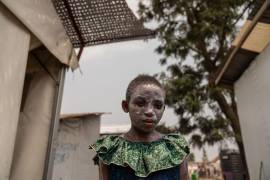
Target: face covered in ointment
{"type": "Point", "coordinates": [146, 107]}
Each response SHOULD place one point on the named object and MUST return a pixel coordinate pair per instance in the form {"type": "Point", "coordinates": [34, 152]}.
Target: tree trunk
{"type": "Point", "coordinates": [243, 158]}
{"type": "Point", "coordinates": [231, 113]}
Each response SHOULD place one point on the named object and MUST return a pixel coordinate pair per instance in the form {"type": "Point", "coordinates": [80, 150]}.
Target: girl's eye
{"type": "Point", "coordinates": [158, 105]}
{"type": "Point", "coordinates": [140, 103]}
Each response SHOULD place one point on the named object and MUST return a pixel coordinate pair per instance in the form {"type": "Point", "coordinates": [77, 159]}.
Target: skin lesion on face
{"type": "Point", "coordinates": [145, 108]}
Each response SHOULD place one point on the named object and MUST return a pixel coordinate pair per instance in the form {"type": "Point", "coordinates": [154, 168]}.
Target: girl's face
{"type": "Point", "coordinates": [146, 107]}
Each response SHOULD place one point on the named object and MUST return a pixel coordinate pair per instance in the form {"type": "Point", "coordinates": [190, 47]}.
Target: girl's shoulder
{"type": "Point", "coordinates": [143, 157]}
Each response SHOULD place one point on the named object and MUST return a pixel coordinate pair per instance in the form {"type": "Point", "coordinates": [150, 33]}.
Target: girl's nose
{"type": "Point", "coordinates": [149, 112]}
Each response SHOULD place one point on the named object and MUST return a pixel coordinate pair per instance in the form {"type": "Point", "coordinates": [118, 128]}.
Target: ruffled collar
{"type": "Point", "coordinates": [143, 157]}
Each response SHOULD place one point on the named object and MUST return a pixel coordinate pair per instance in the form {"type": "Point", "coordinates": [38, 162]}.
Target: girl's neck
{"type": "Point", "coordinates": [136, 136]}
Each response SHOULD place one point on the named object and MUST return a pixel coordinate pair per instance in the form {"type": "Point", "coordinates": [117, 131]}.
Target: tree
{"type": "Point", "coordinates": [197, 35]}
{"type": "Point", "coordinates": [205, 157]}
{"type": "Point", "coordinates": [191, 157]}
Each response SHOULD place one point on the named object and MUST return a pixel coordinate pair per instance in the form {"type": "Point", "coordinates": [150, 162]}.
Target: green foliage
{"type": "Point", "coordinates": [196, 36]}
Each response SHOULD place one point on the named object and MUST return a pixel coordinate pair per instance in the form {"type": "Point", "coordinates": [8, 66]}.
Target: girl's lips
{"type": "Point", "coordinates": [148, 120]}
{"type": "Point", "coordinates": [149, 123]}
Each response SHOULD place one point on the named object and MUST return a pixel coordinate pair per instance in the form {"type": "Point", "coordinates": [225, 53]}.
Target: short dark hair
{"type": "Point", "coordinates": [141, 79]}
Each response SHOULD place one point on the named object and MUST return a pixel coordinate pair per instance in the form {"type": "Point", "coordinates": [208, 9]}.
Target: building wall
{"type": "Point", "coordinates": [14, 45]}
{"type": "Point", "coordinates": [253, 98]}
{"type": "Point", "coordinates": [34, 123]}
{"type": "Point", "coordinates": [73, 159]}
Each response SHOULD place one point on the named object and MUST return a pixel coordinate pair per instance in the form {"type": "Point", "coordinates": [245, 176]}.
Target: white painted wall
{"type": "Point", "coordinates": [14, 46]}
{"type": "Point", "coordinates": [253, 98]}
{"type": "Point", "coordinates": [73, 159]}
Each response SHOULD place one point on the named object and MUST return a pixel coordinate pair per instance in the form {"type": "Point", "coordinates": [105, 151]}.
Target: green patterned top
{"type": "Point", "coordinates": [143, 157]}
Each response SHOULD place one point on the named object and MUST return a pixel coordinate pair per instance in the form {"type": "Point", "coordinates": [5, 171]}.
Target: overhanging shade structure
{"type": "Point", "coordinates": [94, 22]}
{"type": "Point", "coordinates": [252, 39]}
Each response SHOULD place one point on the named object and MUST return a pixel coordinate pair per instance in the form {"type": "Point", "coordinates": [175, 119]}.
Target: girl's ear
{"type": "Point", "coordinates": [125, 106]}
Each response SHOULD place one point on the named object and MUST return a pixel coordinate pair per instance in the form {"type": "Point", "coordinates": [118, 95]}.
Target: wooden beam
{"type": "Point", "coordinates": [258, 39]}
{"type": "Point", "coordinates": [243, 39]}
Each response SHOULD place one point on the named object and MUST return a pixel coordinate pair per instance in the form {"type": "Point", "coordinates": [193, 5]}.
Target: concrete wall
{"type": "Point", "coordinates": [253, 98]}
{"type": "Point", "coordinates": [73, 159]}
{"type": "Point", "coordinates": [34, 123]}
{"type": "Point", "coordinates": [14, 46]}
{"type": "Point", "coordinates": [24, 137]}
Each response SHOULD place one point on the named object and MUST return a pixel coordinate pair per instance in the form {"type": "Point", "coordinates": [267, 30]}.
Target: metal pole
{"type": "Point", "coordinates": [49, 161]}
{"type": "Point", "coordinates": [261, 168]}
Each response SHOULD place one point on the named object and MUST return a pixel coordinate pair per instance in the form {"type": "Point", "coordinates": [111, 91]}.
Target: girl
{"type": "Point", "coordinates": [143, 153]}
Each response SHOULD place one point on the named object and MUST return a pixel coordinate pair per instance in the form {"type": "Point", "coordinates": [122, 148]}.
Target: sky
{"type": "Point", "coordinates": [101, 82]}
